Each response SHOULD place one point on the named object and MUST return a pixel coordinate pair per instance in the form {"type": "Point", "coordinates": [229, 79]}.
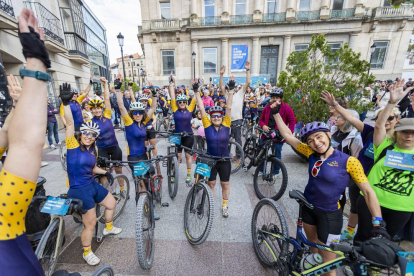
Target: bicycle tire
{"type": "Point", "coordinates": [157, 182]}
{"type": "Point", "coordinates": [268, 190]}
{"type": "Point", "coordinates": [104, 270]}
{"type": "Point", "coordinates": [115, 188]}
{"type": "Point", "coordinates": [205, 230]}
{"type": "Point", "coordinates": [238, 163]}
{"type": "Point", "coordinates": [45, 249]}
{"type": "Point", "coordinates": [248, 131]}
{"type": "Point", "coordinates": [262, 251]}
{"type": "Point", "coordinates": [249, 153]}
{"type": "Point", "coordinates": [172, 167]}
{"type": "Point", "coordinates": [144, 220]}
{"type": "Point", "coordinates": [62, 154]}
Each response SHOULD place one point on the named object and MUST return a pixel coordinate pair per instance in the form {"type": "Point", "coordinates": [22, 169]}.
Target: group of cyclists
{"type": "Point", "coordinates": [381, 195]}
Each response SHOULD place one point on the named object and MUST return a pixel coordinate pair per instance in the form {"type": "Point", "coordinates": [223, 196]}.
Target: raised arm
{"type": "Point", "coordinates": [221, 83]}
{"type": "Point", "coordinates": [14, 90]}
{"type": "Point", "coordinates": [247, 66]}
{"type": "Point", "coordinates": [151, 111]}
{"type": "Point", "coordinates": [85, 92]}
{"type": "Point", "coordinates": [121, 106]}
{"type": "Point", "coordinates": [330, 99]}
{"type": "Point", "coordinates": [232, 84]}
{"type": "Point", "coordinates": [210, 88]}
{"type": "Point", "coordinates": [198, 98]}
{"type": "Point", "coordinates": [66, 96]}
{"type": "Point", "coordinates": [133, 100]}
{"type": "Point", "coordinates": [107, 100]}
{"type": "Point", "coordinates": [171, 87]}
{"type": "Point", "coordinates": [284, 129]}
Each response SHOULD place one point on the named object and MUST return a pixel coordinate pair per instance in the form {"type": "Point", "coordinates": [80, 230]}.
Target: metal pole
{"type": "Point", "coordinates": [194, 68]}
{"type": "Point", "coordinates": [139, 80]}
{"type": "Point", "coordinates": [123, 65]}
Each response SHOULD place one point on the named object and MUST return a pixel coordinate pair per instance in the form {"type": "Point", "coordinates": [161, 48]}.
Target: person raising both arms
{"type": "Point", "coordinates": [151, 133]}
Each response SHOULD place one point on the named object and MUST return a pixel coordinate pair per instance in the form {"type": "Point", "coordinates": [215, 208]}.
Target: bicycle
{"type": "Point", "coordinates": [199, 204]}
{"type": "Point", "coordinates": [277, 250]}
{"type": "Point", "coordinates": [62, 153]}
{"type": "Point", "coordinates": [265, 182]}
{"type": "Point", "coordinates": [251, 126]}
{"type": "Point", "coordinates": [236, 151]}
{"type": "Point", "coordinates": [101, 271]}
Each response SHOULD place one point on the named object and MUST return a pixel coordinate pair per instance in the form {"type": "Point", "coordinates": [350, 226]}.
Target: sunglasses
{"type": "Point", "coordinates": [181, 102]}
{"type": "Point", "coordinates": [89, 134]}
{"type": "Point", "coordinates": [138, 112]}
{"type": "Point", "coordinates": [216, 116]}
{"type": "Point", "coordinates": [389, 118]}
{"type": "Point", "coordinates": [316, 168]}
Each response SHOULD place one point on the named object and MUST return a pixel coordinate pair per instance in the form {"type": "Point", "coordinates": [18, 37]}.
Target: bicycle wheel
{"type": "Point", "coordinates": [48, 250]}
{"type": "Point", "coordinates": [172, 171]}
{"type": "Point", "coordinates": [104, 270]}
{"type": "Point", "coordinates": [248, 131]}
{"type": "Point", "coordinates": [266, 183]}
{"type": "Point", "coordinates": [268, 216]}
{"type": "Point", "coordinates": [198, 213]}
{"type": "Point", "coordinates": [115, 190]}
{"type": "Point", "coordinates": [237, 161]}
{"type": "Point", "coordinates": [144, 233]}
{"type": "Point", "coordinates": [249, 153]}
{"type": "Point", "coordinates": [157, 182]}
{"type": "Point", "coordinates": [62, 154]}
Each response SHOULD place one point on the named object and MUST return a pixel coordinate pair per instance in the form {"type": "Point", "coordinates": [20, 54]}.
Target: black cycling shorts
{"type": "Point", "coordinates": [165, 112]}
{"type": "Point", "coordinates": [151, 134]}
{"type": "Point", "coordinates": [112, 153]}
{"type": "Point", "coordinates": [186, 141]}
{"type": "Point", "coordinates": [326, 222]}
{"type": "Point", "coordinates": [223, 168]}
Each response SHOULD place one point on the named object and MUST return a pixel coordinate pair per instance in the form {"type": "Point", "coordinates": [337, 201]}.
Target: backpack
{"type": "Point", "coordinates": [381, 251]}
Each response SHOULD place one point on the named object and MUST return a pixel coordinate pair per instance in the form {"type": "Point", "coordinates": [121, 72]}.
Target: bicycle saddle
{"type": "Point", "coordinates": [65, 273]}
{"type": "Point", "coordinates": [300, 197]}
{"type": "Point", "coordinates": [40, 181]}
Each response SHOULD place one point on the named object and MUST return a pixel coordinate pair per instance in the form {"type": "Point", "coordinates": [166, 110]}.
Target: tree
{"type": "Point", "coordinates": [310, 72]}
{"type": "Point", "coordinates": [135, 87]}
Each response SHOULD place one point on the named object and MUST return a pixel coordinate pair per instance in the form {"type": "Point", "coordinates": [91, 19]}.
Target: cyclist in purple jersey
{"type": "Point", "coordinates": [217, 132]}
{"type": "Point", "coordinates": [150, 124]}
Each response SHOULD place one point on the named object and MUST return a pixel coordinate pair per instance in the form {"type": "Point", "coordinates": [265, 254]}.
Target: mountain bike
{"type": "Point", "coordinates": [250, 126]}
{"type": "Point", "coordinates": [266, 183]}
{"type": "Point", "coordinates": [199, 205]}
{"type": "Point", "coordinates": [277, 250]}
{"type": "Point", "coordinates": [237, 153]}
{"type": "Point", "coordinates": [161, 124]}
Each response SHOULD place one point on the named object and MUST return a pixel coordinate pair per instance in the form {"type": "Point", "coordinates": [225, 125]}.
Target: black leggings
{"type": "Point", "coordinates": [395, 220]}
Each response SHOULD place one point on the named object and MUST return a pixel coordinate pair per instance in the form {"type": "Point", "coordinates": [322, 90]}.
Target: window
{"type": "Point", "coordinates": [142, 63]}
{"type": "Point", "coordinates": [387, 3]}
{"type": "Point", "coordinates": [210, 60]}
{"type": "Point", "coordinates": [301, 47]}
{"type": "Point", "coordinates": [130, 73]}
{"type": "Point", "coordinates": [77, 81]}
{"type": "Point", "coordinates": [209, 8]}
{"type": "Point", "coordinates": [133, 64]}
{"type": "Point", "coordinates": [272, 6]}
{"type": "Point", "coordinates": [168, 64]}
{"type": "Point", "coordinates": [165, 10]}
{"type": "Point", "coordinates": [378, 57]}
{"type": "Point", "coordinates": [114, 76]}
{"type": "Point", "coordinates": [338, 4]}
{"type": "Point", "coordinates": [334, 48]}
{"type": "Point", "coordinates": [135, 72]}
{"type": "Point", "coordinates": [51, 92]}
{"type": "Point", "coordinates": [240, 7]}
{"type": "Point", "coordinates": [129, 64]}
{"type": "Point", "coordinates": [304, 5]}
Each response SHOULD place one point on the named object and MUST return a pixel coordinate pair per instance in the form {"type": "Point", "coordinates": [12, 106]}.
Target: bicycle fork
{"type": "Point", "coordinates": [199, 209]}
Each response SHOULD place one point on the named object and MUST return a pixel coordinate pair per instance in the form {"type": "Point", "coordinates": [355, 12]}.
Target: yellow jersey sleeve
{"type": "Point", "coordinates": [107, 113]}
{"type": "Point", "coordinates": [206, 121]}
{"type": "Point", "coordinates": [80, 98]}
{"type": "Point", "coordinates": [174, 105]}
{"type": "Point", "coordinates": [192, 105]}
{"type": "Point", "coordinates": [71, 143]}
{"type": "Point", "coordinates": [127, 120]}
{"type": "Point", "coordinates": [355, 169]}
{"type": "Point", "coordinates": [61, 112]}
{"type": "Point", "coordinates": [149, 101]}
{"type": "Point", "coordinates": [16, 194]}
{"type": "Point", "coordinates": [2, 151]}
{"type": "Point", "coordinates": [147, 120]}
{"type": "Point", "coordinates": [304, 149]}
{"type": "Point", "coordinates": [227, 121]}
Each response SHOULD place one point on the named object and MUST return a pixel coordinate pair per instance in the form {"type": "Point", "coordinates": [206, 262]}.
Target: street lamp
{"type": "Point", "coordinates": [194, 58]}
{"type": "Point", "coordinates": [131, 58]}
{"type": "Point", "coordinates": [121, 44]}
{"type": "Point", "coordinates": [372, 49]}
{"type": "Point", "coordinates": [139, 80]}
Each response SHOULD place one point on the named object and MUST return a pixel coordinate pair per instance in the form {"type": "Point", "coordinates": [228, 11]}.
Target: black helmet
{"type": "Point", "coordinates": [277, 92]}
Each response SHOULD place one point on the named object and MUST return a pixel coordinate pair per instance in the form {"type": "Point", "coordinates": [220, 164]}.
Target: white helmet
{"type": "Point", "coordinates": [181, 97]}
{"type": "Point", "coordinates": [74, 90]}
{"type": "Point", "coordinates": [143, 98]}
{"type": "Point", "coordinates": [136, 106]}
{"type": "Point", "coordinates": [90, 126]}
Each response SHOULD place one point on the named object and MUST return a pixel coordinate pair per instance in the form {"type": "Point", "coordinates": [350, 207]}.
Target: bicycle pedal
{"type": "Point", "coordinates": [99, 239]}
{"type": "Point", "coordinates": [245, 169]}
{"type": "Point", "coordinates": [165, 204]}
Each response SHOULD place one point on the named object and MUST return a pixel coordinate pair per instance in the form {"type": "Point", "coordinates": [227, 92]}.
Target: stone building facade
{"type": "Point", "coordinates": [135, 69]}
{"type": "Point", "coordinates": [172, 31]}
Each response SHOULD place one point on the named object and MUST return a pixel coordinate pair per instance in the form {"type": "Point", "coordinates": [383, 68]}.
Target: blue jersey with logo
{"type": "Point", "coordinates": [135, 135]}
{"type": "Point", "coordinates": [75, 107]}
{"type": "Point", "coordinates": [80, 163]}
{"type": "Point", "coordinates": [182, 118]}
{"type": "Point", "coordinates": [363, 157]}
{"type": "Point", "coordinates": [107, 136]}
{"type": "Point", "coordinates": [217, 140]}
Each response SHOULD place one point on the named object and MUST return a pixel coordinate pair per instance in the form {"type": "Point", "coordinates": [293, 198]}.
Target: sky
{"type": "Point", "coordinates": [119, 16]}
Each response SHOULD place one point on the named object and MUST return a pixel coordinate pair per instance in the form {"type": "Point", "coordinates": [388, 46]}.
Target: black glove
{"type": "Point", "coordinates": [275, 110]}
{"type": "Point", "coordinates": [195, 86]}
{"type": "Point", "coordinates": [231, 84]}
{"type": "Point", "coordinates": [379, 231]}
{"type": "Point", "coordinates": [109, 177]}
{"type": "Point", "coordinates": [34, 47]}
{"type": "Point", "coordinates": [153, 91]}
{"type": "Point", "coordinates": [90, 81]}
{"type": "Point", "coordinates": [211, 78]}
{"type": "Point", "coordinates": [66, 94]}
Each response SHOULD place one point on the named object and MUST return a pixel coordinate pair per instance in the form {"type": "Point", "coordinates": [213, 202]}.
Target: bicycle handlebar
{"type": "Point", "coordinates": [341, 247]}
{"type": "Point", "coordinates": [205, 154]}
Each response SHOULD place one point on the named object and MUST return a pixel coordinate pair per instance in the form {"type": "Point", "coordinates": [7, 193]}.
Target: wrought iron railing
{"type": "Point", "coordinates": [346, 13]}
{"type": "Point", "coordinates": [75, 45]}
{"type": "Point", "coordinates": [241, 19]}
{"type": "Point", "coordinates": [307, 15]}
{"type": "Point", "coordinates": [209, 21]}
{"type": "Point", "coordinates": [50, 24]}
{"type": "Point", "coordinates": [6, 7]}
{"type": "Point", "coordinates": [274, 17]}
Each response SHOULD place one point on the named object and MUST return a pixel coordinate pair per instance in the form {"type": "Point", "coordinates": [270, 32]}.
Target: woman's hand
{"type": "Point", "coordinates": [397, 92]}
{"type": "Point", "coordinates": [328, 98]}
{"type": "Point", "coordinates": [222, 70]}
{"type": "Point", "coordinates": [103, 79]}
{"type": "Point", "coordinates": [14, 87]}
{"type": "Point", "coordinates": [247, 65]}
{"type": "Point", "coordinates": [195, 85]}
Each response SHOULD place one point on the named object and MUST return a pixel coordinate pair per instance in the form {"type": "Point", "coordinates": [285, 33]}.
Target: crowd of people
{"type": "Point", "coordinates": [344, 152]}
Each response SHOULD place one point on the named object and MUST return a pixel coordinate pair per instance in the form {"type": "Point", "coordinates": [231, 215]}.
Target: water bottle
{"type": "Point", "coordinates": [310, 261]}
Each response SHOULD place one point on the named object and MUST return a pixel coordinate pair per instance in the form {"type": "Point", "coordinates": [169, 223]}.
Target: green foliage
{"type": "Point", "coordinates": [398, 3]}
{"type": "Point", "coordinates": [135, 87]}
{"type": "Point", "coordinates": [310, 72]}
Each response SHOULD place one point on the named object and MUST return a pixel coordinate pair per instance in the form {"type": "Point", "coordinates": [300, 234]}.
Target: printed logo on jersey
{"type": "Point", "coordinates": [397, 182]}
{"type": "Point", "coordinates": [333, 164]}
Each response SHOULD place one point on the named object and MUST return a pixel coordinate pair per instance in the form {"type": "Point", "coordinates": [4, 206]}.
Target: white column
{"type": "Point", "coordinates": [255, 57]}
{"type": "Point", "coordinates": [194, 8]}
{"type": "Point", "coordinates": [224, 54]}
{"type": "Point", "coordinates": [194, 48]}
{"type": "Point", "coordinates": [325, 4]}
{"type": "Point", "coordinates": [291, 5]}
{"type": "Point", "coordinates": [258, 6]}
{"type": "Point", "coordinates": [225, 7]}
{"type": "Point", "coordinates": [286, 50]}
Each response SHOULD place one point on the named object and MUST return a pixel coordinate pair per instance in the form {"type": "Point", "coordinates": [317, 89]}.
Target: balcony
{"type": "Point", "coordinates": [391, 12]}
{"type": "Point", "coordinates": [307, 15]}
{"type": "Point", "coordinates": [346, 13]}
{"type": "Point", "coordinates": [241, 19]}
{"type": "Point", "coordinates": [274, 17]}
{"type": "Point", "coordinates": [209, 21]}
{"type": "Point", "coordinates": [77, 48]}
{"type": "Point", "coordinates": [7, 16]}
{"type": "Point", "coordinates": [52, 28]}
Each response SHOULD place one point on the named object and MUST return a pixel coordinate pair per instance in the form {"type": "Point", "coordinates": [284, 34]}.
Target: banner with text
{"type": "Point", "coordinates": [239, 54]}
{"type": "Point", "coordinates": [254, 80]}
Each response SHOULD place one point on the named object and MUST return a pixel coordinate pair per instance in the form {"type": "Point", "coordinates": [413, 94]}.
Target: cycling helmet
{"type": "Point", "coordinates": [215, 109]}
{"type": "Point", "coordinates": [146, 91]}
{"type": "Point", "coordinates": [191, 93]}
{"type": "Point", "coordinates": [252, 100]}
{"type": "Point", "coordinates": [95, 103]}
{"type": "Point", "coordinates": [277, 92]}
{"type": "Point", "coordinates": [74, 90]}
{"type": "Point", "coordinates": [221, 100]}
{"type": "Point", "coordinates": [207, 108]}
{"type": "Point", "coordinates": [311, 128]}
{"type": "Point", "coordinates": [143, 98]}
{"type": "Point", "coordinates": [181, 97]}
{"type": "Point", "coordinates": [136, 106]}
{"type": "Point", "coordinates": [90, 126]}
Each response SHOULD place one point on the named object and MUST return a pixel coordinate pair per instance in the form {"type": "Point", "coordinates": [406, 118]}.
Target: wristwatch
{"type": "Point", "coordinates": [34, 74]}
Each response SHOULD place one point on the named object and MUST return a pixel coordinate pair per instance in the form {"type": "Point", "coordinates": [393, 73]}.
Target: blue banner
{"type": "Point", "coordinates": [174, 139]}
{"type": "Point", "coordinates": [255, 81]}
{"type": "Point", "coordinates": [239, 55]}
{"type": "Point", "coordinates": [141, 168]}
{"type": "Point", "coordinates": [399, 160]}
{"type": "Point", "coordinates": [56, 206]}
{"type": "Point", "coordinates": [203, 169]}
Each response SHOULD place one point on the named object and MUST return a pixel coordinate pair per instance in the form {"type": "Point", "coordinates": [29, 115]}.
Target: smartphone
{"type": "Point", "coordinates": [170, 79]}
